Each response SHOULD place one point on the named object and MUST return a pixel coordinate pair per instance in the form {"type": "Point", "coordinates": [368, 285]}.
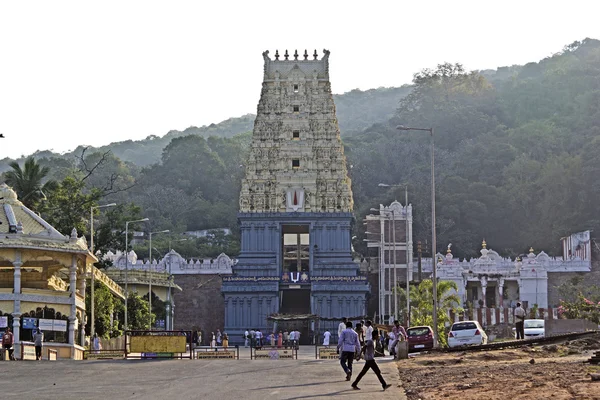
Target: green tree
{"type": "Point", "coordinates": [421, 302]}
{"type": "Point", "coordinates": [104, 309]}
{"type": "Point", "coordinates": [138, 313]}
{"type": "Point", "coordinates": [27, 182]}
{"type": "Point", "coordinates": [68, 205]}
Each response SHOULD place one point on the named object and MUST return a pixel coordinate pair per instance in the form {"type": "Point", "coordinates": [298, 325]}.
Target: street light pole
{"type": "Point", "coordinates": [408, 254]}
{"type": "Point", "coordinates": [433, 233]}
{"type": "Point", "coordinates": [92, 279]}
{"type": "Point", "coordinates": [127, 264]}
{"type": "Point", "coordinates": [150, 279]}
{"type": "Point", "coordinates": [395, 271]}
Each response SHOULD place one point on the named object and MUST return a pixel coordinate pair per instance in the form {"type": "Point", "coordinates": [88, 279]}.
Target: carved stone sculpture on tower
{"type": "Point", "coordinates": [296, 141]}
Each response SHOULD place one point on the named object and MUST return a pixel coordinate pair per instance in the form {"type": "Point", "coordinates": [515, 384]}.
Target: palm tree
{"type": "Point", "coordinates": [27, 182]}
{"type": "Point", "coordinates": [421, 302]}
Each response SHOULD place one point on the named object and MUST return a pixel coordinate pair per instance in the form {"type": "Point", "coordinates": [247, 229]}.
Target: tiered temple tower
{"type": "Point", "coordinates": [295, 208]}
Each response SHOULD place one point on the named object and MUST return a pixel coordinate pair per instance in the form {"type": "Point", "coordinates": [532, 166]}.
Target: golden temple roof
{"type": "Point", "coordinates": [20, 227]}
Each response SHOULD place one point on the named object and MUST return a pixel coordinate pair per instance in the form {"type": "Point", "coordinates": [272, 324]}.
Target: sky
{"type": "Point", "coordinates": [95, 72]}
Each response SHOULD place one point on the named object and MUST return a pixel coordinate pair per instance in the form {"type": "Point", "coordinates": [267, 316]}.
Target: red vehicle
{"type": "Point", "coordinates": [419, 338]}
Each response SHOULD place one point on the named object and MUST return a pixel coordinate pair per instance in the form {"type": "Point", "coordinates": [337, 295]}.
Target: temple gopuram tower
{"type": "Point", "coordinates": [295, 210]}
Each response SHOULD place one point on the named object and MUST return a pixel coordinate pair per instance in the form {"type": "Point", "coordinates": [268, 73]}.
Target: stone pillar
{"type": "Point", "coordinates": [73, 287]}
{"type": "Point", "coordinates": [483, 291]}
{"type": "Point", "coordinates": [16, 328]}
{"type": "Point", "coordinates": [81, 284]}
{"type": "Point", "coordinates": [501, 293]}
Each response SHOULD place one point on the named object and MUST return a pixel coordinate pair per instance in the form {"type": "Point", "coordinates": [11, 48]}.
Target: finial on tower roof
{"type": "Point", "coordinates": [286, 55]}
{"type": "Point", "coordinates": [484, 244]}
{"type": "Point", "coordinates": [449, 251]}
{"type": "Point", "coordinates": [277, 55]}
{"type": "Point", "coordinates": [295, 54]}
{"type": "Point", "coordinates": [531, 249]}
{"type": "Point", "coordinates": [305, 54]}
{"type": "Point", "coordinates": [315, 55]}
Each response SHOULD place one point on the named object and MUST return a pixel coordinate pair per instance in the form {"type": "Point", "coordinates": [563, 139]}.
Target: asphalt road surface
{"type": "Point", "coordinates": [244, 379]}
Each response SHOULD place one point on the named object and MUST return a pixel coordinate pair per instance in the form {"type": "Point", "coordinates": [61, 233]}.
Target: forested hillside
{"type": "Point", "coordinates": [516, 158]}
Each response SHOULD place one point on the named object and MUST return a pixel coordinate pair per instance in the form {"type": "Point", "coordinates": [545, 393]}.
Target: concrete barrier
{"type": "Point", "coordinates": [560, 326]}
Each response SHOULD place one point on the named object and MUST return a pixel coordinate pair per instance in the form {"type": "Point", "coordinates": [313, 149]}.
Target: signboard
{"type": "Point", "coordinates": [57, 325]}
{"type": "Point", "coordinates": [250, 279]}
{"type": "Point", "coordinates": [274, 354]}
{"type": "Point", "coordinates": [338, 278]}
{"type": "Point", "coordinates": [230, 354]}
{"type": "Point", "coordinates": [158, 344]}
{"type": "Point", "coordinates": [60, 325]}
{"type": "Point", "coordinates": [328, 353]}
{"type": "Point", "coordinates": [46, 324]}
{"type": "Point", "coordinates": [52, 355]}
{"type": "Point", "coordinates": [28, 351]}
{"type": "Point", "coordinates": [3, 322]}
{"type": "Point", "coordinates": [104, 355]}
{"type": "Point", "coordinates": [29, 323]}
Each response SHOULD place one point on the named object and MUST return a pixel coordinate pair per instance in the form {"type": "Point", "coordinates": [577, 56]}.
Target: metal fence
{"type": "Point", "coordinates": [273, 353]}
{"type": "Point", "coordinates": [219, 352]}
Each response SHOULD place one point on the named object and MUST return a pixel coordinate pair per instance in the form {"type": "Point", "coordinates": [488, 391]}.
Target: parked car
{"type": "Point", "coordinates": [420, 338]}
{"type": "Point", "coordinates": [466, 333]}
{"type": "Point", "coordinates": [533, 328]}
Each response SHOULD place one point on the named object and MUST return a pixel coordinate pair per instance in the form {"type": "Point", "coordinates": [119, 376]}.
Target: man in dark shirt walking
{"type": "Point", "coordinates": [369, 350]}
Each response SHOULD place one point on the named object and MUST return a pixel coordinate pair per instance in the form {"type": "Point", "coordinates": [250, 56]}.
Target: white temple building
{"type": "Point", "coordinates": [493, 281]}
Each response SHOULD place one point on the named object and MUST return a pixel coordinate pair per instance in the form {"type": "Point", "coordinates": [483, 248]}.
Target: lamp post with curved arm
{"type": "Point", "coordinates": [433, 233]}
{"type": "Point", "coordinates": [150, 275]}
{"type": "Point", "coordinates": [127, 263]}
{"type": "Point", "coordinates": [92, 279]}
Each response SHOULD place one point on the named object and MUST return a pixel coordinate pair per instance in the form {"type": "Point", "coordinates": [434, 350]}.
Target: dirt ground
{"type": "Point", "coordinates": [555, 372]}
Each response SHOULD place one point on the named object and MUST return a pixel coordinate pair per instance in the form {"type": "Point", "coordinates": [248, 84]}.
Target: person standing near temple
{"type": "Point", "coordinates": [348, 346]}
{"type": "Point", "coordinates": [369, 351]}
{"type": "Point", "coordinates": [399, 333]}
{"type": "Point", "coordinates": [342, 326]}
{"type": "Point", "coordinates": [225, 340]}
{"type": "Point", "coordinates": [520, 321]}
{"type": "Point", "coordinates": [38, 340]}
{"type": "Point", "coordinates": [246, 337]}
{"type": "Point", "coordinates": [219, 337]}
{"type": "Point", "coordinates": [326, 337]}
{"type": "Point", "coordinates": [280, 339]}
{"type": "Point", "coordinates": [368, 330]}
{"type": "Point", "coordinates": [7, 343]}
{"type": "Point", "coordinates": [361, 334]}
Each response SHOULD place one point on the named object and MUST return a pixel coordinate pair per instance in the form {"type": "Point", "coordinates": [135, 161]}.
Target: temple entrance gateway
{"type": "Point", "coordinates": [295, 209]}
{"type": "Point", "coordinates": [296, 249]}
{"type": "Point", "coordinates": [295, 301]}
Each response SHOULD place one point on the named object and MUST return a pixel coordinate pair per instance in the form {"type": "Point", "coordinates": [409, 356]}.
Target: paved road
{"type": "Point", "coordinates": [244, 379]}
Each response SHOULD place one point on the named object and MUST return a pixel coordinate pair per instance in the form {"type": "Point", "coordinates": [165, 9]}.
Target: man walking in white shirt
{"type": "Point", "coordinates": [348, 346]}
{"type": "Point", "coordinates": [246, 338]}
{"type": "Point", "coordinates": [326, 337]}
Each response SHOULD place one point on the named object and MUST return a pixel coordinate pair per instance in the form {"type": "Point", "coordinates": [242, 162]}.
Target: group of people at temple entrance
{"type": "Point", "coordinates": [282, 339]}
{"type": "Point", "coordinates": [364, 342]}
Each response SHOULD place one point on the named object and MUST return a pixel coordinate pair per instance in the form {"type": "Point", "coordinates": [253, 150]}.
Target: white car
{"type": "Point", "coordinates": [466, 333]}
{"type": "Point", "coordinates": [533, 328]}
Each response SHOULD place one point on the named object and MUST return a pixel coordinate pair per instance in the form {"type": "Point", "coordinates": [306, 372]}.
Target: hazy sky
{"type": "Point", "coordinates": [83, 72]}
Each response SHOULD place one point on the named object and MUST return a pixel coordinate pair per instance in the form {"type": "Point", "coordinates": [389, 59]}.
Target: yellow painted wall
{"type": "Point", "coordinates": [157, 344]}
